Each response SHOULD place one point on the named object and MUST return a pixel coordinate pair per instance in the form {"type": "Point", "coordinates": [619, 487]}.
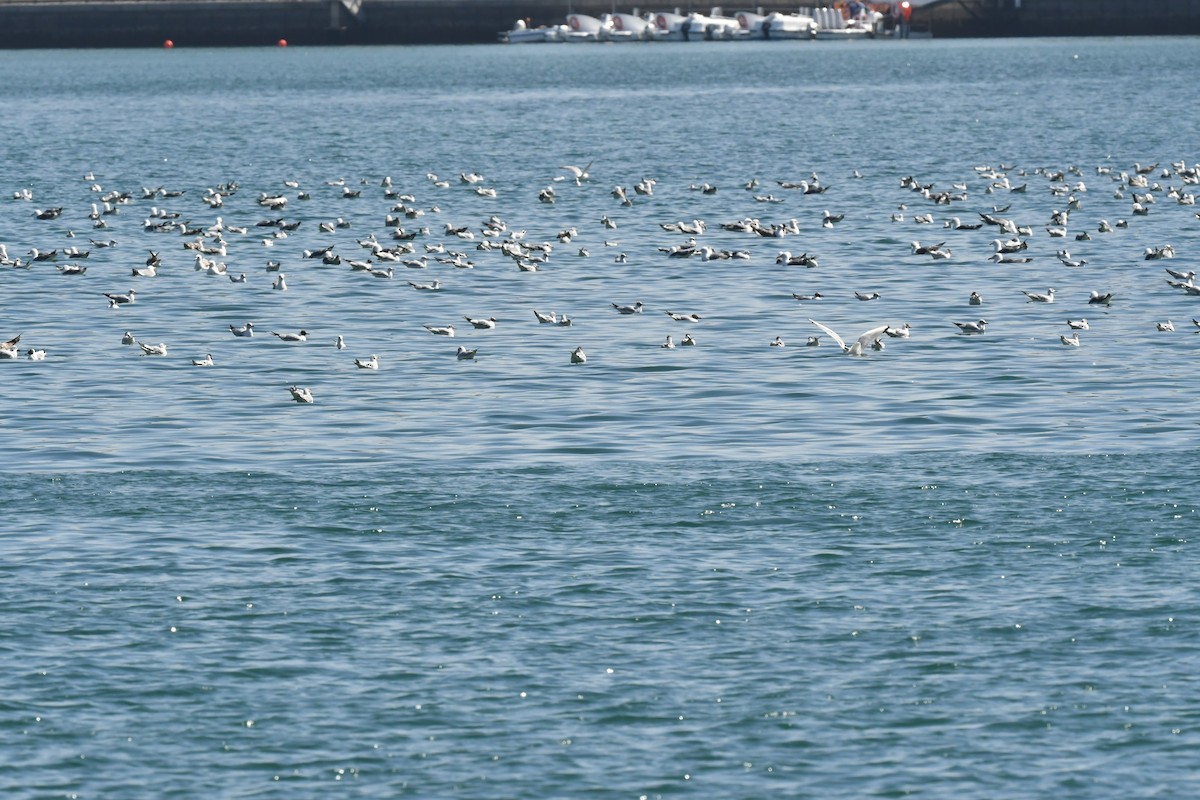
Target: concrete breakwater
{"type": "Point", "coordinates": [961, 18]}
{"type": "Point", "coordinates": [195, 23]}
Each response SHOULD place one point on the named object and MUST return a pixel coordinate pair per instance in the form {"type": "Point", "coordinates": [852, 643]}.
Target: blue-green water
{"type": "Point", "coordinates": [959, 567]}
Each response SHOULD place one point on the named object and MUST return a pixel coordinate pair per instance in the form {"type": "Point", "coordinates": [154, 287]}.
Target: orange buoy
{"type": "Point", "coordinates": [283, 42]}
{"type": "Point", "coordinates": [168, 44]}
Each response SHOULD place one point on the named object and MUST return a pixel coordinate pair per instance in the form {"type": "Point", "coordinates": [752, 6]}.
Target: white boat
{"type": "Point", "coordinates": [626, 28]}
{"type": "Point", "coordinates": [751, 24]}
{"type": "Point", "coordinates": [583, 28]}
{"type": "Point", "coordinates": [789, 26]}
{"type": "Point", "coordinates": [523, 34]}
{"type": "Point", "coordinates": [832, 24]}
{"type": "Point", "coordinates": [695, 27]}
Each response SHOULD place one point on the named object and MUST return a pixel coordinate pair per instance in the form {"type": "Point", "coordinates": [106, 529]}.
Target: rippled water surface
{"type": "Point", "coordinates": [959, 567]}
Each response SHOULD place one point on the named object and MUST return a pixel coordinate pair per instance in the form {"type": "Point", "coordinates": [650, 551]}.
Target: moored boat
{"type": "Point", "coordinates": [583, 28]}
{"type": "Point", "coordinates": [789, 26]}
{"type": "Point", "coordinates": [521, 33]}
{"type": "Point", "coordinates": [695, 27]}
{"type": "Point", "coordinates": [833, 24]}
{"type": "Point", "coordinates": [627, 27]}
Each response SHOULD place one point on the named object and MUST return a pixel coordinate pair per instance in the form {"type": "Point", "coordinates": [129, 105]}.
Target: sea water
{"type": "Point", "coordinates": [959, 567]}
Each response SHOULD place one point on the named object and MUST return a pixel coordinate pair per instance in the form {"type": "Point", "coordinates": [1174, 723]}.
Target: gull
{"type": "Point", "coordinates": [302, 336]}
{"type": "Point", "coordinates": [121, 299]}
{"type": "Point", "coordinates": [903, 332]}
{"type": "Point", "coordinates": [578, 356]}
{"type": "Point", "coordinates": [1189, 276]}
{"type": "Point", "coordinates": [1001, 258]}
{"type": "Point", "coordinates": [919, 249]}
{"type": "Point", "coordinates": [207, 361]}
{"type": "Point", "coordinates": [580, 174]}
{"type": "Point", "coordinates": [954, 223]}
{"type": "Point", "coordinates": [1034, 297]}
{"type": "Point", "coordinates": [682, 317]}
{"type": "Point", "coordinates": [669, 344]}
{"type": "Point", "coordinates": [813, 296]}
{"type": "Point", "coordinates": [340, 344]}
{"type": "Point", "coordinates": [802, 260]}
{"type": "Point", "coordinates": [1098, 299]}
{"type": "Point", "coordinates": [1078, 324]}
{"type": "Point", "coordinates": [778, 342]}
{"type": "Point", "coordinates": [813, 341]}
{"type": "Point", "coordinates": [1166, 326]}
{"type": "Point", "coordinates": [869, 296]}
{"type": "Point", "coordinates": [426, 287]}
{"type": "Point", "coordinates": [153, 349]}
{"type": "Point", "coordinates": [10, 353]}
{"type": "Point", "coordinates": [239, 279]}
{"type": "Point", "coordinates": [636, 308]}
{"type": "Point", "coordinates": [246, 330]}
{"type": "Point", "coordinates": [127, 338]}
{"type": "Point", "coordinates": [645, 186]}
{"type": "Point", "coordinates": [36, 355]}
{"type": "Point", "coordinates": [300, 394]}
{"type": "Point", "coordinates": [563, 321]}
{"type": "Point", "coordinates": [972, 327]}
{"type": "Point", "coordinates": [279, 284]}
{"type": "Point", "coordinates": [73, 269]}
{"type": "Point", "coordinates": [688, 341]}
{"type": "Point", "coordinates": [466, 355]}
{"type": "Point", "coordinates": [436, 331]}
{"type": "Point", "coordinates": [1013, 245]}
{"type": "Point", "coordinates": [1070, 341]}
{"type": "Point", "coordinates": [482, 324]}
{"type": "Point", "coordinates": [1065, 257]}
{"type": "Point", "coordinates": [370, 363]}
{"type": "Point", "coordinates": [855, 349]}
{"type": "Point", "coordinates": [976, 299]}
{"type": "Point", "coordinates": [545, 319]}
{"type": "Point", "coordinates": [878, 344]}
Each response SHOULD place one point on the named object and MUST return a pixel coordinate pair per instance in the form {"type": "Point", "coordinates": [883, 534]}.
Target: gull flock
{"type": "Point", "coordinates": [255, 238]}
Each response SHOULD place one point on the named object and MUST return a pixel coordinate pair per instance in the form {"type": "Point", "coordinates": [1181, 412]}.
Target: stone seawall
{"type": "Point", "coordinates": [197, 23]}
{"type": "Point", "coordinates": [957, 18]}
{"type": "Point", "coordinates": [194, 23]}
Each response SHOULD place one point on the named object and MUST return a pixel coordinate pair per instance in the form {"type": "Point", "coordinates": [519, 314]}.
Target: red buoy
{"type": "Point", "coordinates": [168, 44]}
{"type": "Point", "coordinates": [283, 42]}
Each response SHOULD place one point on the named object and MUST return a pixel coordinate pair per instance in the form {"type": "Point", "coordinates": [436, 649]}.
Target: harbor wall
{"type": "Point", "coordinates": [190, 23]}
{"type": "Point", "coordinates": [961, 18]}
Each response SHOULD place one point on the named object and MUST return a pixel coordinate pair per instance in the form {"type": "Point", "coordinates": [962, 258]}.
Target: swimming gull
{"type": "Point", "coordinates": [300, 394]}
